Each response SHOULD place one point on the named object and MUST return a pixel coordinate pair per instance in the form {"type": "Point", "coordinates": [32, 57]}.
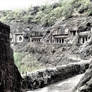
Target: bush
{"type": "Point", "coordinates": [48, 14]}
{"type": "Point", "coordinates": [26, 62]}
{"type": "Point", "coordinates": [38, 16]}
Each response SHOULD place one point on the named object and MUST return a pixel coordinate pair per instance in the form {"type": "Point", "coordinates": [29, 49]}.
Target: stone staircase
{"type": "Point", "coordinates": [47, 35]}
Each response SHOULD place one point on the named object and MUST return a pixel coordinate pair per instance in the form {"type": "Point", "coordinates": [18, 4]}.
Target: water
{"type": "Point", "coordinates": [64, 86]}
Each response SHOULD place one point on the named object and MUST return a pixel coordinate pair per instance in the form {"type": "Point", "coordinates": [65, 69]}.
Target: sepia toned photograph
{"type": "Point", "coordinates": [45, 45]}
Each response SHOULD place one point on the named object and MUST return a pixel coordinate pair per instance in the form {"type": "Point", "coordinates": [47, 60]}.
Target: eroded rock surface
{"type": "Point", "coordinates": [85, 84]}
{"type": "Point", "coordinates": [10, 78]}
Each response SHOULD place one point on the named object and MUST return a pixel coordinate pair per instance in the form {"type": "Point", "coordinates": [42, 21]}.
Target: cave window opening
{"type": "Point", "coordinates": [62, 40]}
{"type": "Point", "coordinates": [59, 40]}
{"type": "Point", "coordinates": [20, 38]}
{"type": "Point", "coordinates": [86, 39]}
{"type": "Point", "coordinates": [88, 24]}
{"type": "Point", "coordinates": [83, 40]}
{"type": "Point", "coordinates": [74, 33]}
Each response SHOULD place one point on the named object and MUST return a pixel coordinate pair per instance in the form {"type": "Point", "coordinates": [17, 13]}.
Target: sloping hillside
{"type": "Point", "coordinates": [49, 14]}
{"type": "Point", "coordinates": [70, 13]}
{"type": "Point", "coordinates": [66, 13]}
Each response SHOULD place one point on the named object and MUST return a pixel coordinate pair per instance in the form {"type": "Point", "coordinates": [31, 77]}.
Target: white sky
{"type": "Point", "coordinates": [17, 4]}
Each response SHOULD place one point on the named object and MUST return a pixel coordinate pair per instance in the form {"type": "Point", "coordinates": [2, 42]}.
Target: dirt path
{"type": "Point", "coordinates": [64, 86]}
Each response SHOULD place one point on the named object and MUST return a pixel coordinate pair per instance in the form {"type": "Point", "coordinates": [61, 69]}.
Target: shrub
{"type": "Point", "coordinates": [26, 62]}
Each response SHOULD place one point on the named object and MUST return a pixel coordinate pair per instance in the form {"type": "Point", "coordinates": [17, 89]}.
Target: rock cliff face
{"type": "Point", "coordinates": [9, 75]}
{"type": "Point", "coordinates": [85, 84]}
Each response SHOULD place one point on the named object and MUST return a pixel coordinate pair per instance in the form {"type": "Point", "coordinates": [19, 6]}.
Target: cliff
{"type": "Point", "coordinates": [10, 77]}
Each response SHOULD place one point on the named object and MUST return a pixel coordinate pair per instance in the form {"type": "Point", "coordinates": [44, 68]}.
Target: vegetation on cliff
{"type": "Point", "coordinates": [27, 62]}
{"type": "Point", "coordinates": [36, 57]}
{"type": "Point", "coordinates": [47, 15]}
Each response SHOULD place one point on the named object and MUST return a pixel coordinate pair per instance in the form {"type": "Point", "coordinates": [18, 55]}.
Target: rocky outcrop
{"type": "Point", "coordinates": [85, 84]}
{"type": "Point", "coordinates": [10, 78]}
{"type": "Point", "coordinates": [49, 76]}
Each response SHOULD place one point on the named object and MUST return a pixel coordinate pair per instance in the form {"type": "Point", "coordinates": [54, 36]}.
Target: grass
{"type": "Point", "coordinates": [26, 62]}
